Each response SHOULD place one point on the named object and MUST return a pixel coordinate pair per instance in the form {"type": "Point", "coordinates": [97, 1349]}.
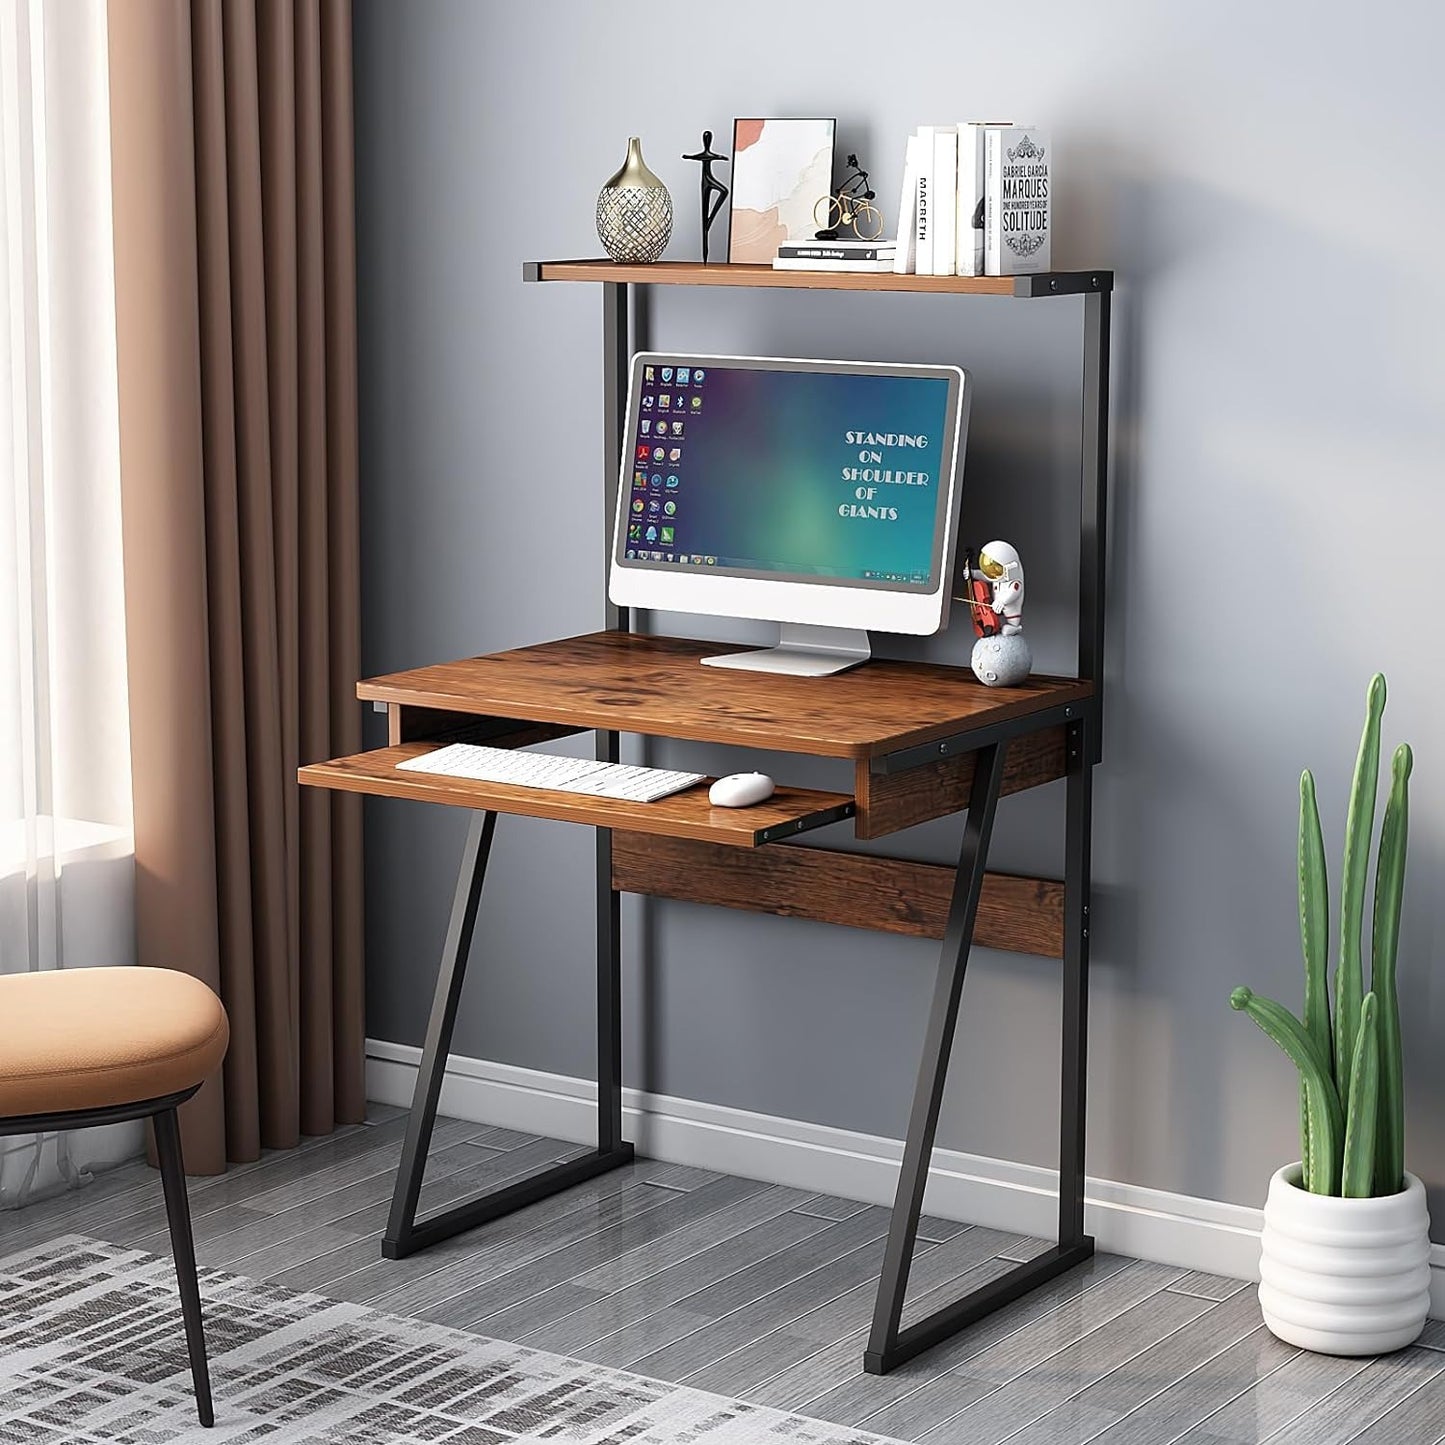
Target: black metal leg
{"type": "Point", "coordinates": [1073, 1064]}
{"type": "Point", "coordinates": [405, 1234]}
{"type": "Point", "coordinates": [609, 984]}
{"type": "Point", "coordinates": [624, 328]}
{"type": "Point", "coordinates": [888, 1344]}
{"type": "Point", "coordinates": [183, 1251]}
{"type": "Point", "coordinates": [616, 359]}
{"type": "Point", "coordinates": [1093, 502]}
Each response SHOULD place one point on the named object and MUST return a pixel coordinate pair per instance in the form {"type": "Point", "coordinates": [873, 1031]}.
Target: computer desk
{"type": "Point", "coordinates": [924, 741]}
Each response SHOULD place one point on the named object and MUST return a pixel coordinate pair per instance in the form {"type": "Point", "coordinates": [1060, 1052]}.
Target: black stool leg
{"type": "Point", "coordinates": [183, 1249]}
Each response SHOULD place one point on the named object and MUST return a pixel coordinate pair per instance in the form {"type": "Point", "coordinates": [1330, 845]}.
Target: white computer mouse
{"type": "Point", "coordinates": [740, 790]}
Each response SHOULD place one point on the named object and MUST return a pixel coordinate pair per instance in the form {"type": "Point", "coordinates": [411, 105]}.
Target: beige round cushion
{"type": "Point", "coordinates": [87, 1038]}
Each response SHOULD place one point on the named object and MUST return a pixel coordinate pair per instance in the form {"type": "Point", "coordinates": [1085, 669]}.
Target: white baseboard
{"type": "Point", "coordinates": [1128, 1219]}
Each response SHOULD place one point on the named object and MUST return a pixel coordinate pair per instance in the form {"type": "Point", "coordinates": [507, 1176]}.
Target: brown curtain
{"type": "Point", "coordinates": [236, 331]}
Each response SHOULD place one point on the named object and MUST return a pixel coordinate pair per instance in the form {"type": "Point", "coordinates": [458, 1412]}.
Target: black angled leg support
{"type": "Point", "coordinates": [889, 1345]}
{"type": "Point", "coordinates": [183, 1250]}
{"type": "Point", "coordinates": [405, 1234]}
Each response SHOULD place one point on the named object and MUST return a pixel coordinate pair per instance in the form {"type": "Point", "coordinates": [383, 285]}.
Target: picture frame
{"type": "Point", "coordinates": [781, 168]}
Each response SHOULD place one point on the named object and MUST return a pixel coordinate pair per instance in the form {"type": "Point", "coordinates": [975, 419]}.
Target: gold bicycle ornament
{"type": "Point", "coordinates": [851, 206]}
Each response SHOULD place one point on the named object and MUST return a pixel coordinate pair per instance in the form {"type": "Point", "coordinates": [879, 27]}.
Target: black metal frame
{"type": "Point", "coordinates": [625, 325]}
{"type": "Point", "coordinates": [889, 1344]}
{"type": "Point", "coordinates": [162, 1114]}
{"type": "Point", "coordinates": [622, 322]}
{"type": "Point", "coordinates": [405, 1234]}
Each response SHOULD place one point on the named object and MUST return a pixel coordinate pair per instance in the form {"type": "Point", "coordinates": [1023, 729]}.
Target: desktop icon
{"type": "Point", "coordinates": [670, 507]}
{"type": "Point", "coordinates": [696, 560]}
{"type": "Point", "coordinates": [647, 426]}
{"type": "Point", "coordinates": [637, 504]}
{"type": "Point", "coordinates": [679, 401]}
{"type": "Point", "coordinates": [712, 561]}
{"type": "Point", "coordinates": [647, 403]}
{"type": "Point", "coordinates": [697, 375]}
{"type": "Point", "coordinates": [649, 373]}
{"type": "Point", "coordinates": [657, 481]}
{"type": "Point", "coordinates": [639, 479]}
{"type": "Point", "coordinates": [652, 534]}
{"type": "Point", "coordinates": [667, 373]}
{"type": "Point", "coordinates": [671, 557]}
{"type": "Point", "coordinates": [675, 455]}
{"type": "Point", "coordinates": [677, 428]}
{"type": "Point", "coordinates": [661, 428]}
{"type": "Point", "coordinates": [673, 482]}
{"type": "Point", "coordinates": [682, 375]}
{"type": "Point", "coordinates": [696, 403]}
{"type": "Point", "coordinates": [630, 554]}
{"type": "Point", "coordinates": [657, 454]}
{"type": "Point", "coordinates": [642, 453]}
{"type": "Point", "coordinates": [664, 401]}
{"type": "Point", "coordinates": [654, 507]}
{"type": "Point", "coordinates": [634, 532]}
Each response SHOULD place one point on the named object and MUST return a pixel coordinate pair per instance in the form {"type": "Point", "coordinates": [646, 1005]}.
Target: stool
{"type": "Point", "coordinates": [102, 1045]}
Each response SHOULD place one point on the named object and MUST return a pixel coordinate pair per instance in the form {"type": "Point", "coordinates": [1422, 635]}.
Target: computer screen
{"type": "Point", "coordinates": [826, 472]}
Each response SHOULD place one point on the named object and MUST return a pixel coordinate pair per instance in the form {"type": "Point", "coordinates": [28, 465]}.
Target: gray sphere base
{"type": "Point", "coordinates": [1002, 661]}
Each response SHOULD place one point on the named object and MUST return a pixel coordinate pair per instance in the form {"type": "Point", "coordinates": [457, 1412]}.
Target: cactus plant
{"type": "Point", "coordinates": [1358, 1171]}
{"type": "Point", "coordinates": [1389, 889]}
{"type": "Point", "coordinates": [1314, 928]}
{"type": "Point", "coordinates": [1352, 1118]}
{"type": "Point", "coordinates": [1322, 1134]}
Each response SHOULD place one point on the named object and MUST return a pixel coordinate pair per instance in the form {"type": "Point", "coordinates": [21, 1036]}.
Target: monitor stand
{"type": "Point", "coordinates": [802, 651]}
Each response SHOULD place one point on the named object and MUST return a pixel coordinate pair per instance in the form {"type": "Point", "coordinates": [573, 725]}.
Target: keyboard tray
{"type": "Point", "coordinates": [789, 812]}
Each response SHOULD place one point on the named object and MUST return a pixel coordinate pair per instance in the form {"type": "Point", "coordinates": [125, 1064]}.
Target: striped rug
{"type": "Point", "coordinates": [92, 1350]}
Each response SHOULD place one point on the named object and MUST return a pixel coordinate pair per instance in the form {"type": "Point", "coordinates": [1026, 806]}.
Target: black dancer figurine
{"type": "Point", "coordinates": [714, 193]}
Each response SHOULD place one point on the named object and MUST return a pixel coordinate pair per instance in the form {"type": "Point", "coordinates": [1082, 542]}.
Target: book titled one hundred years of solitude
{"type": "Point", "coordinates": [1016, 216]}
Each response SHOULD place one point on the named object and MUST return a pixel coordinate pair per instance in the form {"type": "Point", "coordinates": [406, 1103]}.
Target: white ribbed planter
{"type": "Point", "coordinates": [1344, 1276]}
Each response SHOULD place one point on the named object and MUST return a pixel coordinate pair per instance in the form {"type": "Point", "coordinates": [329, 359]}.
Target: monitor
{"type": "Point", "coordinates": [821, 495]}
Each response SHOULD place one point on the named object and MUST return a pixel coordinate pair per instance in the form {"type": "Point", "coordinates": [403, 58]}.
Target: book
{"type": "Point", "coordinates": [1016, 217]}
{"type": "Point", "coordinates": [906, 251]}
{"type": "Point", "coordinates": [839, 251]}
{"type": "Point", "coordinates": [969, 210]}
{"type": "Point", "coordinates": [839, 243]}
{"type": "Point", "coordinates": [808, 263]}
{"type": "Point", "coordinates": [945, 200]}
{"type": "Point", "coordinates": [923, 213]}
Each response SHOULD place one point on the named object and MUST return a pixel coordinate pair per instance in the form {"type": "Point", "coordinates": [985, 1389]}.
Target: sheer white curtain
{"type": "Point", "coordinates": [66, 871]}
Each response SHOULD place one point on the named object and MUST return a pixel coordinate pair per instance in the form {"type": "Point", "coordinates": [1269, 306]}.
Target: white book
{"type": "Point", "coordinates": [969, 211]}
{"type": "Point", "coordinates": [945, 199]}
{"type": "Point", "coordinates": [841, 243]}
{"type": "Point", "coordinates": [923, 214]}
{"type": "Point", "coordinates": [1018, 234]}
{"type": "Point", "coordinates": [808, 263]}
{"type": "Point", "coordinates": [907, 248]}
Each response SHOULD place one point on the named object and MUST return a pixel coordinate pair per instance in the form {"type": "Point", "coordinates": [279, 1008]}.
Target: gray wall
{"type": "Point", "coordinates": [1264, 178]}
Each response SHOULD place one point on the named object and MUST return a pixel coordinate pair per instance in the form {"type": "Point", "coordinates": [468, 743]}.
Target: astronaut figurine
{"type": "Point", "coordinates": [1001, 656]}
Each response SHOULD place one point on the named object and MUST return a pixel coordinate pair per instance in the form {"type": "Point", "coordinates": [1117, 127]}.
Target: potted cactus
{"type": "Point", "coordinates": [1344, 1265]}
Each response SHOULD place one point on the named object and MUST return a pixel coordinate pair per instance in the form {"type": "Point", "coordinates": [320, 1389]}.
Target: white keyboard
{"type": "Point", "coordinates": [547, 770]}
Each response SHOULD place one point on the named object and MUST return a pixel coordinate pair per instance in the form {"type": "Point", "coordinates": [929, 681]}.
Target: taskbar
{"type": "Point", "coordinates": [788, 569]}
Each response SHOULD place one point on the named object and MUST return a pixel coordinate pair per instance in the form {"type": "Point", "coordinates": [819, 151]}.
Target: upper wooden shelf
{"type": "Point", "coordinates": [627, 682]}
{"type": "Point", "coordinates": [695, 273]}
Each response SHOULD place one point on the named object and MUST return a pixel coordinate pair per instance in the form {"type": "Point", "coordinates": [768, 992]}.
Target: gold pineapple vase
{"type": "Point", "coordinates": [634, 211]}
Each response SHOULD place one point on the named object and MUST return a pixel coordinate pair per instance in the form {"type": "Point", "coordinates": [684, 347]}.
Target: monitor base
{"type": "Point", "coordinates": [802, 651]}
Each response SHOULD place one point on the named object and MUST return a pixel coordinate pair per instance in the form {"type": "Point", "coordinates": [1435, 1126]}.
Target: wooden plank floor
{"type": "Point", "coordinates": [764, 1293]}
